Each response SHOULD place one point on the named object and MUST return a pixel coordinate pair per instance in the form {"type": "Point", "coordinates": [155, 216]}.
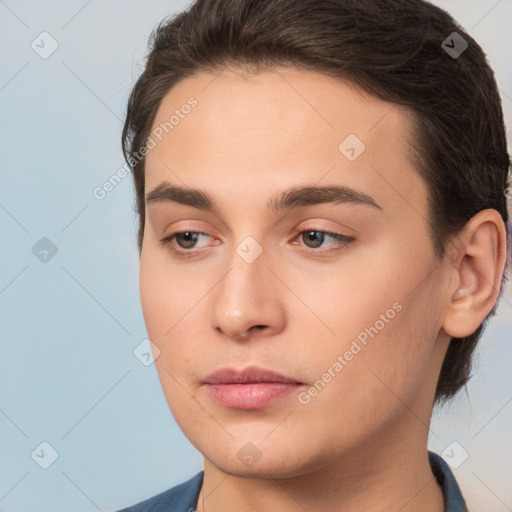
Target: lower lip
{"type": "Point", "coordinates": [250, 396]}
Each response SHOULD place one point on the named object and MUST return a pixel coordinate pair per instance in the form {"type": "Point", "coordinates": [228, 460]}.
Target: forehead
{"type": "Point", "coordinates": [285, 126]}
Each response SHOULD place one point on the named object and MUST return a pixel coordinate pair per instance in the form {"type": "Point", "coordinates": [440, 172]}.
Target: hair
{"type": "Point", "coordinates": [392, 49]}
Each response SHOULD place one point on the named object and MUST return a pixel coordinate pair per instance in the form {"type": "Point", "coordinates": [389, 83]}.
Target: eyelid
{"type": "Point", "coordinates": [342, 241]}
{"type": "Point", "coordinates": [167, 241]}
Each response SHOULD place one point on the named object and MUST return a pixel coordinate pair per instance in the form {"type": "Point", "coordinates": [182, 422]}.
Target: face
{"type": "Point", "coordinates": [335, 288]}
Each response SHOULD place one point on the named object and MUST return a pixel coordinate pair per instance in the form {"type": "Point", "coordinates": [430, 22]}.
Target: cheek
{"type": "Point", "coordinates": [174, 315]}
{"type": "Point", "coordinates": [382, 324]}
{"type": "Point", "coordinates": [167, 296]}
{"type": "Point", "coordinates": [153, 299]}
{"type": "Point", "coordinates": [165, 307]}
{"type": "Point", "coordinates": [383, 366]}
{"type": "Point", "coordinates": [356, 298]}
{"type": "Point", "coordinates": [163, 310]}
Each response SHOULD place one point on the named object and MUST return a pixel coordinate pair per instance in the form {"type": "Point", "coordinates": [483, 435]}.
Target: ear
{"type": "Point", "coordinates": [477, 259]}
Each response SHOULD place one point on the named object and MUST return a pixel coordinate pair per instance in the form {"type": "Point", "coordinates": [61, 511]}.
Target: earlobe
{"type": "Point", "coordinates": [479, 269]}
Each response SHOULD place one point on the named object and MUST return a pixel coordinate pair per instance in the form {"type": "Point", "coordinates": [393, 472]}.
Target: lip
{"type": "Point", "coordinates": [249, 375]}
{"type": "Point", "coordinates": [250, 388]}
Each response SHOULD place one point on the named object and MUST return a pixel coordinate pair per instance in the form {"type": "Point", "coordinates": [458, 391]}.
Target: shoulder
{"type": "Point", "coordinates": [180, 498]}
{"type": "Point", "coordinates": [454, 502]}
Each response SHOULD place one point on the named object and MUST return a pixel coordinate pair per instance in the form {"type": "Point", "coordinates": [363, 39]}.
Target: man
{"type": "Point", "coordinates": [321, 193]}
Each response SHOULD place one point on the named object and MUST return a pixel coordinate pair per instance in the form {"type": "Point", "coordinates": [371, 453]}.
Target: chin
{"type": "Point", "coordinates": [264, 469]}
{"type": "Point", "coordinates": [258, 459]}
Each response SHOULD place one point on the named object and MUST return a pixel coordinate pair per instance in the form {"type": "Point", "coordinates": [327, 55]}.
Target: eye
{"type": "Point", "coordinates": [185, 240]}
{"type": "Point", "coordinates": [185, 243]}
{"type": "Point", "coordinates": [315, 239]}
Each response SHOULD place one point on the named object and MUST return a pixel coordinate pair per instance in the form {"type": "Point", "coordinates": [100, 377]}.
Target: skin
{"type": "Point", "coordinates": [360, 443]}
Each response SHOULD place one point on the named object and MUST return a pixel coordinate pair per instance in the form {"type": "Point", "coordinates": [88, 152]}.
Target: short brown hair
{"type": "Point", "coordinates": [393, 49]}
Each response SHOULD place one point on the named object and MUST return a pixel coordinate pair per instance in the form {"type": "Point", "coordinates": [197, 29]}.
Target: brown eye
{"type": "Point", "coordinates": [186, 243]}
{"type": "Point", "coordinates": [187, 240]}
{"type": "Point", "coordinates": [313, 239]}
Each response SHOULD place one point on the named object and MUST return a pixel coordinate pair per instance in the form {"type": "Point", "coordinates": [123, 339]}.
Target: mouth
{"type": "Point", "coordinates": [251, 388]}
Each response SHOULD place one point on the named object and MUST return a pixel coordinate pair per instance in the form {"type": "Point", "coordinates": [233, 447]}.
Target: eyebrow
{"type": "Point", "coordinates": [292, 198]}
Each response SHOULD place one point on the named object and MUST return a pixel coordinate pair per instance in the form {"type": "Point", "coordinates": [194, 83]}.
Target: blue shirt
{"type": "Point", "coordinates": [183, 497]}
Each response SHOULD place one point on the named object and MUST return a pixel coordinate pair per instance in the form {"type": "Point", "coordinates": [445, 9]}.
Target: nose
{"type": "Point", "coordinates": [247, 302]}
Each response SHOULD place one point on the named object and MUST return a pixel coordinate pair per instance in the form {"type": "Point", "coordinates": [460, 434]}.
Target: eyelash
{"type": "Point", "coordinates": [343, 241]}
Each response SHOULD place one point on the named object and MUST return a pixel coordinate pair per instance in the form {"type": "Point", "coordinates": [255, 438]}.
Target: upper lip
{"type": "Point", "coordinates": [252, 374]}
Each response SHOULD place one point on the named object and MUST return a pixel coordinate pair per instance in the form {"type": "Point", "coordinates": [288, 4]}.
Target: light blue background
{"type": "Point", "coordinates": [69, 326]}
